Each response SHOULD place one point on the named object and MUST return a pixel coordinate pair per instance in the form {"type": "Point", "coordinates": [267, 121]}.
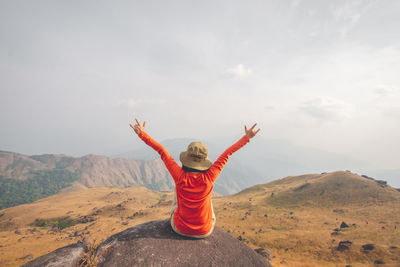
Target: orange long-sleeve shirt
{"type": "Point", "coordinates": [193, 190]}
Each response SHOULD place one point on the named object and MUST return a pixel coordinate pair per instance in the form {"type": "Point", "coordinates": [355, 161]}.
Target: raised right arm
{"type": "Point", "coordinates": [214, 171]}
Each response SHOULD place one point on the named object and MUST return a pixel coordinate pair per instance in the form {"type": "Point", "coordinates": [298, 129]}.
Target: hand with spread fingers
{"type": "Point", "coordinates": [251, 132]}
{"type": "Point", "coordinates": [138, 128]}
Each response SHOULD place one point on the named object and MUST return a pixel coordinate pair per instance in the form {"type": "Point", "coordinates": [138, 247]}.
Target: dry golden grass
{"type": "Point", "coordinates": [115, 210]}
{"type": "Point", "coordinates": [297, 229]}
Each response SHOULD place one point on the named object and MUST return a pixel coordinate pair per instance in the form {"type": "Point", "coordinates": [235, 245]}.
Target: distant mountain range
{"type": "Point", "coordinates": [260, 161]}
{"type": "Point", "coordinates": [263, 160]}
{"type": "Point", "coordinates": [24, 179]}
{"type": "Point", "coordinates": [95, 170]}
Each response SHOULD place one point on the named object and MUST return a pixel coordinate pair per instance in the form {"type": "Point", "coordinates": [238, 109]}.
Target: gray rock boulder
{"type": "Point", "coordinates": [344, 245]}
{"type": "Point", "coordinates": [155, 244]}
{"type": "Point", "coordinates": [65, 256]}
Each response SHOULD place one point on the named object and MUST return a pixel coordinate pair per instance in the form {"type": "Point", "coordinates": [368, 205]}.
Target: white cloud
{"type": "Point", "coordinates": [391, 111]}
{"type": "Point", "coordinates": [140, 102]}
{"type": "Point", "coordinates": [348, 15]}
{"type": "Point", "coordinates": [311, 12]}
{"type": "Point", "coordinates": [240, 71]}
{"type": "Point", "coordinates": [270, 107]}
{"type": "Point", "coordinates": [295, 3]}
{"type": "Point", "coordinates": [385, 90]}
{"type": "Point", "coordinates": [386, 101]}
{"type": "Point", "coordinates": [326, 108]}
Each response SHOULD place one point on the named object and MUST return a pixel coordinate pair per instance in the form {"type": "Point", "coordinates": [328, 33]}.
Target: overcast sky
{"type": "Point", "coordinates": [323, 74]}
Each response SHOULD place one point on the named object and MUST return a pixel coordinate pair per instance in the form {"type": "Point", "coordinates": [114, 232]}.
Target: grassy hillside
{"type": "Point", "coordinates": [330, 190]}
{"type": "Point", "coordinates": [297, 223]}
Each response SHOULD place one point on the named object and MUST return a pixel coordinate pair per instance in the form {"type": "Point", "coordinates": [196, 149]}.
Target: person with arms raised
{"type": "Point", "coordinates": [192, 212]}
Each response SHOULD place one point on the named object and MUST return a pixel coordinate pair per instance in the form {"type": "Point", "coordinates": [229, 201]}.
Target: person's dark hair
{"type": "Point", "coordinates": [187, 169]}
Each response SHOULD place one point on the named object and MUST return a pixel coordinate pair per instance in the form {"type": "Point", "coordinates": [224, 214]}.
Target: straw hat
{"type": "Point", "coordinates": [196, 156]}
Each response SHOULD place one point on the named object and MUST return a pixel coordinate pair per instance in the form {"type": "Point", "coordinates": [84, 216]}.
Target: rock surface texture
{"type": "Point", "coordinates": [155, 244]}
{"type": "Point", "coordinates": [65, 256]}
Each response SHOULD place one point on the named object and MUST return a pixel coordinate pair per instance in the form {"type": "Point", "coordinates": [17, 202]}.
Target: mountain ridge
{"type": "Point", "coordinates": [244, 168]}
{"type": "Point", "coordinates": [325, 189]}
{"type": "Point", "coordinates": [96, 170]}
{"type": "Point", "coordinates": [265, 159]}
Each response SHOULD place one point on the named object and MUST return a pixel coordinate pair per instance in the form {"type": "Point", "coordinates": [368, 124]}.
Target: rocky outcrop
{"type": "Point", "coordinates": [65, 256]}
{"type": "Point", "coordinates": [264, 252]}
{"type": "Point", "coordinates": [156, 244]}
{"type": "Point", "coordinates": [367, 247]}
{"type": "Point", "coordinates": [381, 183]}
{"type": "Point", "coordinates": [344, 245]}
